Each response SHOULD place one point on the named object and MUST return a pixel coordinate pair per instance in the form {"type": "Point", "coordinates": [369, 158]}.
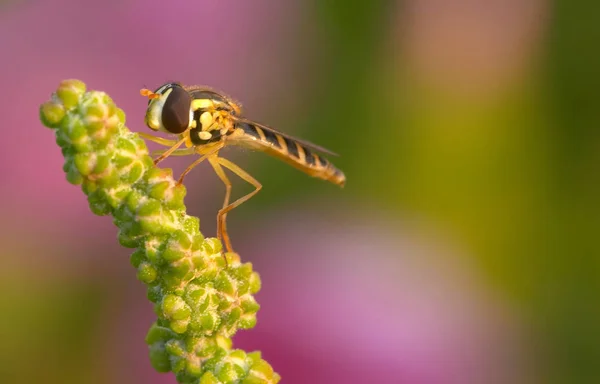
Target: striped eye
{"type": "Point", "coordinates": [175, 115]}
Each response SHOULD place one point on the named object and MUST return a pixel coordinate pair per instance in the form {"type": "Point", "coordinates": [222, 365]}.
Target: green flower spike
{"type": "Point", "coordinates": [199, 301]}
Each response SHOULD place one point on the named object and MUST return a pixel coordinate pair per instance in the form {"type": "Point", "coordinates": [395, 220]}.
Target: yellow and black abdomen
{"type": "Point", "coordinates": [287, 149]}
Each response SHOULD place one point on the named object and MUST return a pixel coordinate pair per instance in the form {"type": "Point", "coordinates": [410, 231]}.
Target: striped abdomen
{"type": "Point", "coordinates": [287, 149]}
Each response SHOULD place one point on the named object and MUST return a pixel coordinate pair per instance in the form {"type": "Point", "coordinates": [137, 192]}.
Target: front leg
{"type": "Point", "coordinates": [158, 140]}
{"type": "Point", "coordinates": [177, 152]}
{"type": "Point", "coordinates": [169, 151]}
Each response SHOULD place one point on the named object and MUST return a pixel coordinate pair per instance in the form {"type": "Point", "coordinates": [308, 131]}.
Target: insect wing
{"type": "Point", "coordinates": [305, 143]}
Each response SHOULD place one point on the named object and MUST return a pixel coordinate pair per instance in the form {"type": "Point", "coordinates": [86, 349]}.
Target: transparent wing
{"type": "Point", "coordinates": [305, 143]}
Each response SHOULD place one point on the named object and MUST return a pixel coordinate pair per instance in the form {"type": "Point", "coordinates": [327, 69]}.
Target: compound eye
{"type": "Point", "coordinates": [176, 110]}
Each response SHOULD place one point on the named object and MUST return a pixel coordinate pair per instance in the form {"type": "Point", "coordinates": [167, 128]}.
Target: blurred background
{"type": "Point", "coordinates": [463, 249]}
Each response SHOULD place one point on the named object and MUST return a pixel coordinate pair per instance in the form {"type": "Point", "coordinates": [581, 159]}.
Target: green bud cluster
{"type": "Point", "coordinates": [200, 300]}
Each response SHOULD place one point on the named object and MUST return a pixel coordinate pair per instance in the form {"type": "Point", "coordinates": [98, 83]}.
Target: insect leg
{"type": "Point", "coordinates": [177, 152]}
{"type": "Point", "coordinates": [156, 139]}
{"type": "Point", "coordinates": [193, 165]}
{"type": "Point", "coordinates": [198, 161]}
{"type": "Point", "coordinates": [222, 215]}
{"type": "Point", "coordinates": [222, 230]}
{"type": "Point", "coordinates": [168, 152]}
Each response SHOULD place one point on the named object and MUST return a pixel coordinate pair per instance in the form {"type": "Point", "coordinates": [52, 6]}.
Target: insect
{"type": "Point", "coordinates": [206, 121]}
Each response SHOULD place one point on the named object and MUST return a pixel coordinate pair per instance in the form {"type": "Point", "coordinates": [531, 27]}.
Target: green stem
{"type": "Point", "coordinates": [200, 302]}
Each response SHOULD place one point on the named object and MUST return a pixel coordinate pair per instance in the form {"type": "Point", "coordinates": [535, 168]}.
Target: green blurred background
{"type": "Point", "coordinates": [472, 122]}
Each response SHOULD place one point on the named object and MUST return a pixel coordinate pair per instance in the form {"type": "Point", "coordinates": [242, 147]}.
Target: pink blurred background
{"type": "Point", "coordinates": [449, 256]}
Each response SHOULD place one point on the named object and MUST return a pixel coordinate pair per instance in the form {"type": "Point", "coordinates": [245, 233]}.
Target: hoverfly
{"type": "Point", "coordinates": [206, 121]}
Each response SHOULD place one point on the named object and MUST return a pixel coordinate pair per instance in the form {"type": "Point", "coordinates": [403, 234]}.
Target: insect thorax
{"type": "Point", "coordinates": [210, 126]}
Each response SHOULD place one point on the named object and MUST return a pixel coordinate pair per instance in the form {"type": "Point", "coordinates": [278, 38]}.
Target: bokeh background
{"type": "Point", "coordinates": [464, 248]}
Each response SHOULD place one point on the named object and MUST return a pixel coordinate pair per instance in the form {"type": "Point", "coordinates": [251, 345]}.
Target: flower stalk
{"type": "Point", "coordinates": [200, 300]}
